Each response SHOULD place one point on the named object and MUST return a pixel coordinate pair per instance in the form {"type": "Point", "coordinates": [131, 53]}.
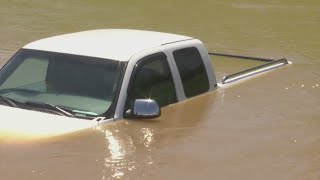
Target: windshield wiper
{"type": "Point", "coordinates": [84, 112]}
{"type": "Point", "coordinates": [49, 106]}
{"type": "Point", "coordinates": [9, 101]}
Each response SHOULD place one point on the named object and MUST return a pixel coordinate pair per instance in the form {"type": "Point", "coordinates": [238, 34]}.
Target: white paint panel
{"type": "Point", "coordinates": [115, 44]}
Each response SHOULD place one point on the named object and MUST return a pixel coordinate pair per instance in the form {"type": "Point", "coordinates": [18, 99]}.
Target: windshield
{"type": "Point", "coordinates": [85, 85]}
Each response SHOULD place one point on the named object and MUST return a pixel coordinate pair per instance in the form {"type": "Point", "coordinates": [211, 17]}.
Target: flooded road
{"type": "Point", "coordinates": [264, 128]}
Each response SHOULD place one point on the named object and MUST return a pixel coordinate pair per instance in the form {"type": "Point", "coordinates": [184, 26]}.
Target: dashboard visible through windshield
{"type": "Point", "coordinates": [86, 86]}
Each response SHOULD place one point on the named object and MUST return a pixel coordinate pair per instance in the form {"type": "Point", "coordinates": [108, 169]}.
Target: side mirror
{"type": "Point", "coordinates": [145, 109]}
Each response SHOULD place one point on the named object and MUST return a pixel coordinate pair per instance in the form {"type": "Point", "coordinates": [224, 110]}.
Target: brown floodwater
{"type": "Point", "coordinates": [267, 127]}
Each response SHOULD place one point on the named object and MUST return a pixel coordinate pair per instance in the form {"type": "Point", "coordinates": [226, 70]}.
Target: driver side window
{"type": "Point", "coordinates": [152, 79]}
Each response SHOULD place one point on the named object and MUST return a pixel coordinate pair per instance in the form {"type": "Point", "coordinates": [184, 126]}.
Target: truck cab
{"type": "Point", "coordinates": [172, 70]}
{"type": "Point", "coordinates": [104, 75]}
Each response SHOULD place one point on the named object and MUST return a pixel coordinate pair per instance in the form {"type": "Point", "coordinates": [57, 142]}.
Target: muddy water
{"type": "Point", "coordinates": [264, 128]}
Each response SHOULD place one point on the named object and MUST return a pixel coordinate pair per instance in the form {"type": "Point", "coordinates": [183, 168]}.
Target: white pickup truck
{"type": "Point", "coordinates": [92, 77]}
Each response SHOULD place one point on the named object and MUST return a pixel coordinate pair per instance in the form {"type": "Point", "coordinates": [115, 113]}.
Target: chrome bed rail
{"type": "Point", "coordinates": [270, 65]}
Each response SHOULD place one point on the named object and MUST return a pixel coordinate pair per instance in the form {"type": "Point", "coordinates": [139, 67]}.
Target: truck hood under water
{"type": "Point", "coordinates": [21, 122]}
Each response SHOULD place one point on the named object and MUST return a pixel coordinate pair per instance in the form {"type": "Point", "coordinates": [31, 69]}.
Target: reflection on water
{"type": "Point", "coordinates": [114, 148]}
{"type": "Point", "coordinates": [115, 161]}
{"type": "Point", "coordinates": [147, 137]}
{"type": "Point", "coordinates": [263, 128]}
{"type": "Point", "coordinates": [131, 146]}
{"type": "Point", "coordinates": [118, 159]}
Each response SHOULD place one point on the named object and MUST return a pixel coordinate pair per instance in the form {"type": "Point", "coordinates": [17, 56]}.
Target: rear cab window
{"type": "Point", "coordinates": [192, 71]}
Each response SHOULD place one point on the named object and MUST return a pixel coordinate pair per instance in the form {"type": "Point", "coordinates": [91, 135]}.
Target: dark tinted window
{"type": "Point", "coordinates": [192, 71]}
{"type": "Point", "coordinates": [152, 79]}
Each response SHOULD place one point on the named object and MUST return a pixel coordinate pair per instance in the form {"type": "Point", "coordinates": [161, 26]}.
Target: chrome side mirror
{"type": "Point", "coordinates": [146, 109]}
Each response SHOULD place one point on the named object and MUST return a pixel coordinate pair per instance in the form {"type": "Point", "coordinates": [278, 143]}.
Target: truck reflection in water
{"type": "Point", "coordinates": [132, 146]}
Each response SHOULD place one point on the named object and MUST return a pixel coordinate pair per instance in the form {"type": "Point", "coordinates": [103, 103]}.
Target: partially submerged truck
{"type": "Point", "coordinates": [98, 76]}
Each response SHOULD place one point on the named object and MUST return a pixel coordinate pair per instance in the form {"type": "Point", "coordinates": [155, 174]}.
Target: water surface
{"type": "Point", "coordinates": [263, 128]}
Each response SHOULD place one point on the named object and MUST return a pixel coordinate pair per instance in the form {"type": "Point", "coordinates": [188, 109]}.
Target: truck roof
{"type": "Point", "coordinates": [115, 44]}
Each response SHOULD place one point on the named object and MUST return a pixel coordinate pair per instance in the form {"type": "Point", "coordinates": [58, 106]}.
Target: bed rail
{"type": "Point", "coordinates": [268, 66]}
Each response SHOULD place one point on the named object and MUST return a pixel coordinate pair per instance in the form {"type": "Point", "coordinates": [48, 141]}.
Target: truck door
{"type": "Point", "coordinates": [152, 79]}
